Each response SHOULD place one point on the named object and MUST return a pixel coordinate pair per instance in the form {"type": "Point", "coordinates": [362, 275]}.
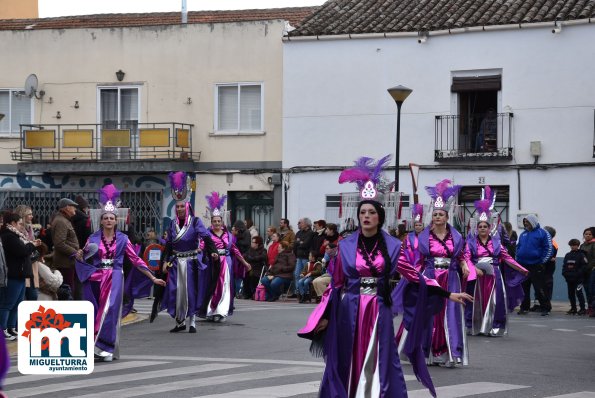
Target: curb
{"type": "Point", "coordinates": [12, 346]}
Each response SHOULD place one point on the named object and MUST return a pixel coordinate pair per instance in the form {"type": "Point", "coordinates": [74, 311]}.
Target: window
{"type": "Point", "coordinates": [477, 99]}
{"type": "Point", "coordinates": [16, 108]}
{"type": "Point", "coordinates": [238, 107]}
{"type": "Point", "coordinates": [119, 109]}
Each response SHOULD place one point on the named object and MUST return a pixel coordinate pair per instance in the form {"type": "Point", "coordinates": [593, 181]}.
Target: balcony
{"type": "Point", "coordinates": [112, 147]}
{"type": "Point", "coordinates": [485, 136]}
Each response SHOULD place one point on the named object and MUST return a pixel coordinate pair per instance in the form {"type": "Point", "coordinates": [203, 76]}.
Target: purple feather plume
{"type": "Point", "coordinates": [364, 170]}
{"type": "Point", "coordinates": [214, 201]}
{"type": "Point", "coordinates": [107, 193]}
{"type": "Point", "coordinates": [417, 210]}
{"type": "Point", "coordinates": [177, 180]}
{"type": "Point", "coordinates": [485, 204]}
{"type": "Point", "coordinates": [443, 189]}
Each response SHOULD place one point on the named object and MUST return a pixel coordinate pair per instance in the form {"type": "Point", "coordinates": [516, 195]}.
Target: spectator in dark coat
{"type": "Point", "coordinates": [572, 270]}
{"type": "Point", "coordinates": [17, 250]}
{"type": "Point", "coordinates": [302, 247]}
{"type": "Point", "coordinates": [279, 276]}
{"type": "Point", "coordinates": [319, 235]}
{"type": "Point", "coordinates": [257, 258]}
{"type": "Point", "coordinates": [243, 241]}
{"type": "Point", "coordinates": [66, 244]}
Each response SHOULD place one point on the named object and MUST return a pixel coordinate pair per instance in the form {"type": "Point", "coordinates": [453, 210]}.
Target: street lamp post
{"type": "Point", "coordinates": [399, 94]}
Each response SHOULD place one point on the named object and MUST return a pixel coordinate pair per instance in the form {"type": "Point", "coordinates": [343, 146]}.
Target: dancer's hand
{"type": "Point", "coordinates": [158, 281]}
{"type": "Point", "coordinates": [460, 298]}
{"type": "Point", "coordinates": [215, 256]}
{"type": "Point", "coordinates": [478, 272]}
{"type": "Point", "coordinates": [322, 325]}
{"type": "Point", "coordinates": [248, 267]}
{"type": "Point", "coordinates": [464, 269]}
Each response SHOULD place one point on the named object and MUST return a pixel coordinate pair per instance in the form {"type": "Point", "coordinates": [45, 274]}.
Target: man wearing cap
{"type": "Point", "coordinates": [66, 245]}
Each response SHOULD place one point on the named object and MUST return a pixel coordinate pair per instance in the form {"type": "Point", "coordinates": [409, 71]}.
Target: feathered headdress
{"type": "Point", "coordinates": [443, 194]}
{"type": "Point", "coordinates": [215, 203]}
{"type": "Point", "coordinates": [180, 185]}
{"type": "Point", "coordinates": [366, 174]}
{"type": "Point", "coordinates": [417, 213]}
{"type": "Point", "coordinates": [109, 202]}
{"type": "Point", "coordinates": [485, 205]}
{"type": "Point", "coordinates": [109, 199]}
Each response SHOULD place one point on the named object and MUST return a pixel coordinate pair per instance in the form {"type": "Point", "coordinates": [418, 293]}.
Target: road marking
{"type": "Point", "coordinates": [282, 391]}
{"type": "Point", "coordinates": [143, 390]}
{"type": "Point", "coordinates": [537, 326]}
{"type": "Point", "coordinates": [463, 390]}
{"type": "Point", "coordinates": [582, 394]}
{"type": "Point", "coordinates": [592, 335]}
{"type": "Point", "coordinates": [121, 378]}
{"type": "Point", "coordinates": [226, 360]}
{"type": "Point", "coordinates": [564, 330]}
{"type": "Point", "coordinates": [99, 368]}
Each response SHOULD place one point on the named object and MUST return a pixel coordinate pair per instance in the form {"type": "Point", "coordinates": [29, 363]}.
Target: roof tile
{"type": "Point", "coordinates": [337, 17]}
{"type": "Point", "coordinates": [294, 15]}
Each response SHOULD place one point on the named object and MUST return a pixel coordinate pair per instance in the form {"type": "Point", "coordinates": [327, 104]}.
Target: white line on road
{"type": "Point", "coordinates": [463, 390]}
{"type": "Point", "coordinates": [583, 394]}
{"type": "Point", "coordinates": [537, 326]}
{"type": "Point", "coordinates": [230, 360]}
{"type": "Point", "coordinates": [98, 369]}
{"type": "Point", "coordinates": [286, 390]}
{"type": "Point", "coordinates": [121, 378]}
{"type": "Point", "coordinates": [140, 391]}
{"type": "Point", "coordinates": [589, 334]}
{"type": "Point", "coordinates": [564, 330]}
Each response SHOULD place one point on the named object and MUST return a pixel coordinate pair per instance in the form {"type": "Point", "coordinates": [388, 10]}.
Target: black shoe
{"type": "Point", "coordinates": [178, 328]}
{"type": "Point", "coordinates": [535, 308]}
{"type": "Point", "coordinates": [572, 311]}
{"type": "Point", "coordinates": [13, 332]}
{"type": "Point", "coordinates": [192, 329]}
{"type": "Point", "coordinates": [582, 311]}
{"type": "Point", "coordinates": [522, 312]}
{"type": "Point", "coordinates": [545, 313]}
{"type": "Point", "coordinates": [292, 296]}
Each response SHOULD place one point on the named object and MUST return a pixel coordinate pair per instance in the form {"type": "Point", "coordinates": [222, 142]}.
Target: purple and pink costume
{"type": "Point", "coordinates": [494, 295]}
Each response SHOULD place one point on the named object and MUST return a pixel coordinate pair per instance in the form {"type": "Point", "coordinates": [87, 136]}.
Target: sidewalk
{"type": "Point", "coordinates": [13, 347]}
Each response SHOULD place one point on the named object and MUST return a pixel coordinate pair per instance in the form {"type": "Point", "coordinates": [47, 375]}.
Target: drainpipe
{"type": "Point", "coordinates": [184, 12]}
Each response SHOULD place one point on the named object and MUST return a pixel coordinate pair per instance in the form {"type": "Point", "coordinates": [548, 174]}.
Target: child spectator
{"type": "Point", "coordinates": [311, 271]}
{"type": "Point", "coordinates": [273, 249]}
{"type": "Point", "coordinates": [572, 270]}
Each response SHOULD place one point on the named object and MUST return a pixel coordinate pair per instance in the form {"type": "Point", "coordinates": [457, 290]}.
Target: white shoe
{"type": "Point", "coordinates": [108, 358]}
{"type": "Point", "coordinates": [8, 336]}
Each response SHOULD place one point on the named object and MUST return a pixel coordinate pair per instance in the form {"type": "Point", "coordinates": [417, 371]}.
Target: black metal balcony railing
{"type": "Point", "coordinates": [484, 136]}
{"type": "Point", "coordinates": [110, 141]}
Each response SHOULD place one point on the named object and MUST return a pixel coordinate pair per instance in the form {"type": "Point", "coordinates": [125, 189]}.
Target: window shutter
{"type": "Point", "coordinates": [228, 108]}
{"type": "Point", "coordinates": [477, 83]}
{"type": "Point", "coordinates": [4, 108]}
{"type": "Point", "coordinates": [250, 108]}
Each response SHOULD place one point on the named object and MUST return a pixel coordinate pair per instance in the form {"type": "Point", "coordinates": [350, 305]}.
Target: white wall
{"type": "Point", "coordinates": [335, 91]}
{"type": "Point", "coordinates": [336, 109]}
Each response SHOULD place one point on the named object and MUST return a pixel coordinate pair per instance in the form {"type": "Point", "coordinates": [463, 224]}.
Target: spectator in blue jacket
{"type": "Point", "coordinates": [534, 249]}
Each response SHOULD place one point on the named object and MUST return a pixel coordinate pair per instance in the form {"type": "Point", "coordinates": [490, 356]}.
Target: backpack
{"type": "Point", "coordinates": [64, 292]}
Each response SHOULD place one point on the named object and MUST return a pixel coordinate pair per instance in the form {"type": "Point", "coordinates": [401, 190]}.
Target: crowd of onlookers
{"type": "Point", "coordinates": [37, 263]}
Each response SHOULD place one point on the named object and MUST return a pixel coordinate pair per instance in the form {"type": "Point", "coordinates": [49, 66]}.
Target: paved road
{"type": "Point", "coordinates": [256, 354]}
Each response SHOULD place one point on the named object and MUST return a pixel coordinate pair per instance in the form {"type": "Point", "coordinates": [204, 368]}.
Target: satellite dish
{"type": "Point", "coordinates": [31, 87]}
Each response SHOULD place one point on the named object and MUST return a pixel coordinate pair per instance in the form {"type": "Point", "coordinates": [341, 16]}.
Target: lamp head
{"type": "Point", "coordinates": [399, 93]}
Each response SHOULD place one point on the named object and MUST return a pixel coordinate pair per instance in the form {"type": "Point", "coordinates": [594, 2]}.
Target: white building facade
{"type": "Point", "coordinates": [535, 84]}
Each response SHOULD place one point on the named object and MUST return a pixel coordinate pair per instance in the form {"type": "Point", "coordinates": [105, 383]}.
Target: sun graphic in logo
{"type": "Point", "coordinates": [43, 319]}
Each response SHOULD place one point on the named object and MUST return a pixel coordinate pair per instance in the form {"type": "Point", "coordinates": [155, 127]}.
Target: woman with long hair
{"type": "Point", "coordinates": [494, 295]}
{"type": "Point", "coordinates": [218, 303]}
{"type": "Point", "coordinates": [31, 284]}
{"type": "Point", "coordinates": [102, 276]}
{"type": "Point", "coordinates": [17, 251]}
{"type": "Point", "coordinates": [353, 325]}
{"type": "Point", "coordinates": [446, 260]}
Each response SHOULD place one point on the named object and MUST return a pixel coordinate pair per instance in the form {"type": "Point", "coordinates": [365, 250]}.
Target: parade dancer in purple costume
{"type": "Point", "coordinates": [494, 295]}
{"type": "Point", "coordinates": [446, 259]}
{"type": "Point", "coordinates": [102, 275]}
{"type": "Point", "coordinates": [218, 303]}
{"type": "Point", "coordinates": [353, 324]}
{"type": "Point", "coordinates": [183, 254]}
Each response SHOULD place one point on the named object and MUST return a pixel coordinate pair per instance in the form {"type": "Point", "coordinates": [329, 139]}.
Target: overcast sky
{"type": "Point", "coordinates": [56, 8]}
